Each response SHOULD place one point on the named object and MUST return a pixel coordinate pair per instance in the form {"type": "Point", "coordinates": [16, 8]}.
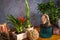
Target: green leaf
{"type": "Point", "coordinates": [27, 13]}
{"type": "Point", "coordinates": [11, 19]}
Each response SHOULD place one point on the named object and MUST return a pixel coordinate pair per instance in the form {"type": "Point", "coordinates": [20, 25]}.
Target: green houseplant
{"type": "Point", "coordinates": [19, 24]}
{"type": "Point", "coordinates": [28, 22]}
{"type": "Point", "coordinates": [52, 10]}
{"type": "Point", "coordinates": [32, 33]}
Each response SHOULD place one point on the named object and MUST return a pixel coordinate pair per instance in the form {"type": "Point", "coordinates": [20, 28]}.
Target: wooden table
{"type": "Point", "coordinates": [54, 37]}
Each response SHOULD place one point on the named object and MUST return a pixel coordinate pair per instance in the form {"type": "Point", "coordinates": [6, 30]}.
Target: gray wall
{"type": "Point", "coordinates": [17, 8]}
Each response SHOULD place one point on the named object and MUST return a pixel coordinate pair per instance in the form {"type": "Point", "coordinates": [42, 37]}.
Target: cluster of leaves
{"type": "Point", "coordinates": [51, 9]}
{"type": "Point", "coordinates": [19, 23]}
{"type": "Point", "coordinates": [28, 14]}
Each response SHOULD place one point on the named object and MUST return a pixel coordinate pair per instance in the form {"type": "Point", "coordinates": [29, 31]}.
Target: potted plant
{"type": "Point", "coordinates": [28, 22]}
{"type": "Point", "coordinates": [52, 10]}
{"type": "Point", "coordinates": [19, 24]}
{"type": "Point", "coordinates": [22, 25]}
{"type": "Point", "coordinates": [32, 33]}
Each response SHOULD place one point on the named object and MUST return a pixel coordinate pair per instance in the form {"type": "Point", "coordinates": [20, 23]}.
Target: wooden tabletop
{"type": "Point", "coordinates": [54, 37]}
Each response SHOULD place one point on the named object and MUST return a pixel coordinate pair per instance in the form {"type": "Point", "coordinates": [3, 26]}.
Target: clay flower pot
{"type": "Point", "coordinates": [19, 36]}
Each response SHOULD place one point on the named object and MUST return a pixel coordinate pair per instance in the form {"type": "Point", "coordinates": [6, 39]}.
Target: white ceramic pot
{"type": "Point", "coordinates": [19, 36]}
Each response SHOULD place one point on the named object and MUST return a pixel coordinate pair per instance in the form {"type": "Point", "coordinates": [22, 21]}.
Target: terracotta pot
{"type": "Point", "coordinates": [19, 36]}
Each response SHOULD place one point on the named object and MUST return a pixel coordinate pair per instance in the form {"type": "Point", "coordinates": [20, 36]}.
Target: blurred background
{"type": "Point", "coordinates": [17, 8]}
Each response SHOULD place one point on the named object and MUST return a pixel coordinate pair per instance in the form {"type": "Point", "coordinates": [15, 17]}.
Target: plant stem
{"type": "Point", "coordinates": [27, 13]}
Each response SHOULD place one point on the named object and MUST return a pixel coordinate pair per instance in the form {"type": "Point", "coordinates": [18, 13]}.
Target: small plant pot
{"type": "Point", "coordinates": [45, 32]}
{"type": "Point", "coordinates": [19, 36]}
